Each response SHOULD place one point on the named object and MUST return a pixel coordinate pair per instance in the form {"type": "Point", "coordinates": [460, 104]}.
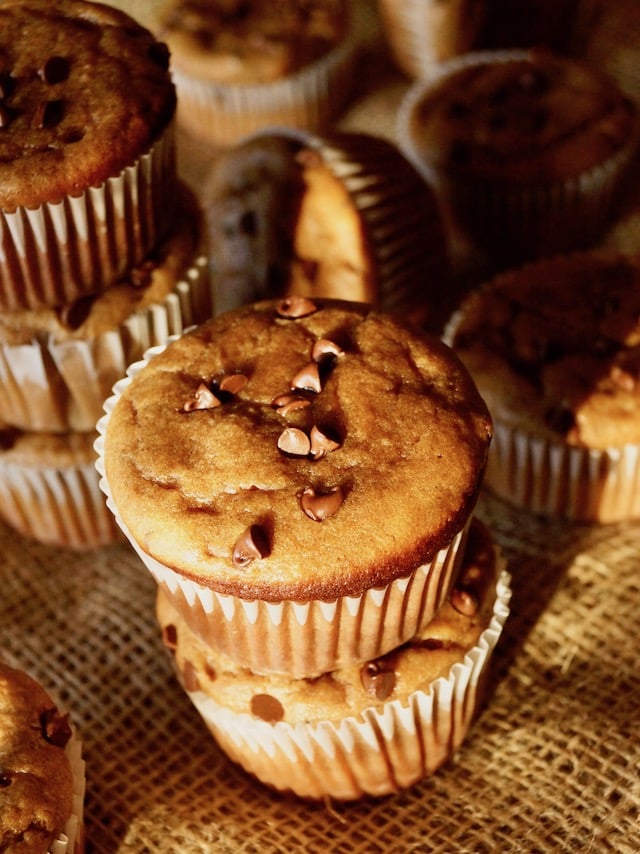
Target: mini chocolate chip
{"type": "Point", "coordinates": [251, 545]}
{"type": "Point", "coordinates": [464, 602]}
{"type": "Point", "coordinates": [170, 637]}
{"type": "Point", "coordinates": [159, 53]}
{"type": "Point", "coordinates": [233, 383]}
{"type": "Point", "coordinates": [377, 679]}
{"type": "Point", "coordinates": [324, 348]}
{"type": "Point", "coordinates": [321, 505]}
{"type": "Point", "coordinates": [75, 313]}
{"type": "Point", "coordinates": [295, 306]}
{"type": "Point", "coordinates": [55, 70]}
{"type": "Point", "coordinates": [307, 379]}
{"type": "Point", "coordinates": [294, 441]}
{"type": "Point", "coordinates": [47, 114]}
{"type": "Point", "coordinates": [286, 403]}
{"type": "Point", "coordinates": [203, 398]}
{"type": "Point", "coordinates": [190, 677]}
{"type": "Point", "coordinates": [55, 727]}
{"type": "Point", "coordinates": [321, 443]}
{"type": "Point", "coordinates": [268, 708]}
{"type": "Point", "coordinates": [5, 780]}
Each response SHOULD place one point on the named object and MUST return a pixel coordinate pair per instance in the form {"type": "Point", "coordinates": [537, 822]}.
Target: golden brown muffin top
{"type": "Point", "coordinates": [143, 285]}
{"type": "Point", "coordinates": [537, 118]}
{"type": "Point", "coordinates": [348, 691]}
{"type": "Point", "coordinates": [555, 348]}
{"type": "Point", "coordinates": [250, 41]}
{"type": "Point", "coordinates": [36, 784]}
{"type": "Point", "coordinates": [297, 450]}
{"type": "Point", "coordinates": [84, 92]}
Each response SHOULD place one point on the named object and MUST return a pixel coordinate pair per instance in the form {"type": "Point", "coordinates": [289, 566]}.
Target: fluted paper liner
{"type": "Point", "coordinates": [71, 841]}
{"type": "Point", "coordinates": [58, 252]}
{"type": "Point", "coordinates": [60, 386]}
{"type": "Point", "coordinates": [302, 639]}
{"type": "Point", "coordinates": [386, 748]}
{"type": "Point", "coordinates": [57, 506]}
{"type": "Point", "coordinates": [512, 221]}
{"type": "Point", "coordinates": [310, 98]}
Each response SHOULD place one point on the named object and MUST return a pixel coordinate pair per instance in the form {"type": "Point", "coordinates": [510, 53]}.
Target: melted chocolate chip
{"type": "Point", "coordinates": [47, 114]}
{"type": "Point", "coordinates": [294, 307]}
{"type": "Point", "coordinates": [464, 602]}
{"type": "Point", "coordinates": [5, 780]}
{"type": "Point", "coordinates": [55, 70]}
{"type": "Point", "coordinates": [267, 708]}
{"type": "Point", "coordinates": [75, 314]}
{"type": "Point", "coordinates": [378, 679]}
{"type": "Point", "coordinates": [251, 545]}
{"type": "Point", "coordinates": [203, 398]}
{"type": "Point", "coordinates": [170, 637]}
{"type": "Point", "coordinates": [321, 443]}
{"type": "Point", "coordinates": [55, 727]}
{"type": "Point", "coordinates": [232, 383]}
{"type": "Point", "coordinates": [320, 506]}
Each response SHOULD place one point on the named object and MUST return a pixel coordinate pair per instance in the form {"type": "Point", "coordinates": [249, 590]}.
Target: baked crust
{"type": "Point", "coordinates": [411, 435]}
{"type": "Point", "coordinates": [85, 92]}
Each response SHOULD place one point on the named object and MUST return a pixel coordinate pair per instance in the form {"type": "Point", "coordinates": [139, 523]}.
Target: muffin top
{"type": "Point", "coordinates": [84, 91]}
{"type": "Point", "coordinates": [250, 41]}
{"type": "Point", "coordinates": [36, 784]}
{"type": "Point", "coordinates": [297, 450]}
{"type": "Point", "coordinates": [555, 348]}
{"type": "Point", "coordinates": [521, 118]}
{"type": "Point", "coordinates": [40, 449]}
{"type": "Point", "coordinates": [144, 284]}
{"type": "Point", "coordinates": [413, 666]}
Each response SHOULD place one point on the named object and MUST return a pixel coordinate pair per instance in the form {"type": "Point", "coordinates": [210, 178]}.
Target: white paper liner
{"type": "Point", "coordinates": [55, 253]}
{"type": "Point", "coordinates": [386, 748]}
{"type": "Point", "coordinates": [57, 506]}
{"type": "Point", "coordinates": [310, 98]}
{"type": "Point", "coordinates": [62, 386]}
{"type": "Point", "coordinates": [510, 220]}
{"type": "Point", "coordinates": [71, 841]}
{"type": "Point", "coordinates": [302, 639]}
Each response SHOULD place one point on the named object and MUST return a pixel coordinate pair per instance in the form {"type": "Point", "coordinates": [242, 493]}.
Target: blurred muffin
{"type": "Point", "coordinates": [342, 216]}
{"type": "Point", "coordinates": [49, 489]}
{"type": "Point", "coordinates": [86, 150]}
{"type": "Point", "coordinates": [241, 65]}
{"type": "Point", "coordinates": [423, 32]}
{"type": "Point", "coordinates": [41, 770]}
{"type": "Point", "coordinates": [369, 728]}
{"type": "Point", "coordinates": [526, 150]}
{"type": "Point", "coordinates": [57, 366]}
{"type": "Point", "coordinates": [298, 476]}
{"type": "Point", "coordinates": [554, 348]}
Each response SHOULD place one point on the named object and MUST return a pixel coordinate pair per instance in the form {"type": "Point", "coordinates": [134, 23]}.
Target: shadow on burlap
{"type": "Point", "coordinates": [551, 764]}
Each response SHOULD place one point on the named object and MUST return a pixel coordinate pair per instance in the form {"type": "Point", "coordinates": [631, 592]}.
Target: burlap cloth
{"type": "Point", "coordinates": [551, 764]}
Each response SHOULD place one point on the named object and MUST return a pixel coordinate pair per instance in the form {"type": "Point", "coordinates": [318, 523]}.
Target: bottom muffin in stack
{"type": "Point", "coordinates": [366, 729]}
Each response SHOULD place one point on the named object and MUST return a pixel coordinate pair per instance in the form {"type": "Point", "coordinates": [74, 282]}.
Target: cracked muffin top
{"type": "Point", "coordinates": [531, 118]}
{"type": "Point", "coordinates": [36, 783]}
{"type": "Point", "coordinates": [297, 449]}
{"type": "Point", "coordinates": [250, 41]}
{"type": "Point", "coordinates": [84, 92]}
{"type": "Point", "coordinates": [350, 690]}
{"type": "Point", "coordinates": [555, 348]}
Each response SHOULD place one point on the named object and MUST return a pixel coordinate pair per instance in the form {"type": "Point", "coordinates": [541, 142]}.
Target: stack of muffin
{"type": "Point", "coordinates": [306, 510]}
{"type": "Point", "coordinates": [100, 248]}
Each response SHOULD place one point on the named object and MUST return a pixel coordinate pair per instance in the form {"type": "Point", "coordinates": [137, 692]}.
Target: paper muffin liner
{"type": "Point", "coordinates": [311, 98]}
{"type": "Point", "coordinates": [57, 505]}
{"type": "Point", "coordinates": [58, 252]}
{"type": "Point", "coordinates": [513, 222]}
{"type": "Point", "coordinates": [61, 386]}
{"type": "Point", "coordinates": [422, 33]}
{"type": "Point", "coordinates": [552, 478]}
{"type": "Point", "coordinates": [71, 841]}
{"type": "Point", "coordinates": [304, 638]}
{"type": "Point", "coordinates": [386, 748]}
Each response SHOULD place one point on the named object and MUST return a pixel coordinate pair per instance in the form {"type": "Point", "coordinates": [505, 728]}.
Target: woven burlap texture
{"type": "Point", "coordinates": [551, 764]}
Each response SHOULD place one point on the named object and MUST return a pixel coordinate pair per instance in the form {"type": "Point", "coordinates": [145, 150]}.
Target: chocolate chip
{"type": "Point", "coordinates": [159, 53]}
{"type": "Point", "coordinates": [170, 637]}
{"type": "Point", "coordinates": [190, 677]}
{"type": "Point", "coordinates": [233, 383]}
{"type": "Point", "coordinates": [321, 443]}
{"type": "Point", "coordinates": [323, 348]}
{"type": "Point", "coordinates": [74, 314]}
{"type": "Point", "coordinates": [251, 545]}
{"type": "Point", "coordinates": [47, 114]}
{"type": "Point", "coordinates": [378, 679]}
{"type": "Point", "coordinates": [293, 307]}
{"type": "Point", "coordinates": [307, 379]}
{"type": "Point", "coordinates": [5, 780]}
{"type": "Point", "coordinates": [268, 708]}
{"type": "Point", "coordinates": [7, 115]}
{"type": "Point", "coordinates": [286, 403]}
{"type": "Point", "coordinates": [7, 84]}
{"type": "Point", "coordinates": [295, 442]}
{"type": "Point", "coordinates": [8, 438]}
{"type": "Point", "coordinates": [55, 70]}
{"type": "Point", "coordinates": [464, 602]}
{"type": "Point", "coordinates": [210, 670]}
{"type": "Point", "coordinates": [321, 505]}
{"type": "Point", "coordinates": [203, 398]}
{"type": "Point", "coordinates": [55, 727]}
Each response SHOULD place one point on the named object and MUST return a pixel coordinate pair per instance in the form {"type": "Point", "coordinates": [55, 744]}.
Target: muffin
{"type": "Point", "coordinates": [342, 216]}
{"type": "Point", "coordinates": [57, 365]}
{"type": "Point", "coordinates": [49, 489]}
{"type": "Point", "coordinates": [242, 65]}
{"type": "Point", "coordinates": [526, 150]}
{"type": "Point", "coordinates": [554, 348]}
{"type": "Point", "coordinates": [305, 497]}
{"type": "Point", "coordinates": [86, 150]}
{"type": "Point", "coordinates": [369, 728]}
{"type": "Point", "coordinates": [41, 770]}
{"type": "Point", "coordinates": [421, 33]}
